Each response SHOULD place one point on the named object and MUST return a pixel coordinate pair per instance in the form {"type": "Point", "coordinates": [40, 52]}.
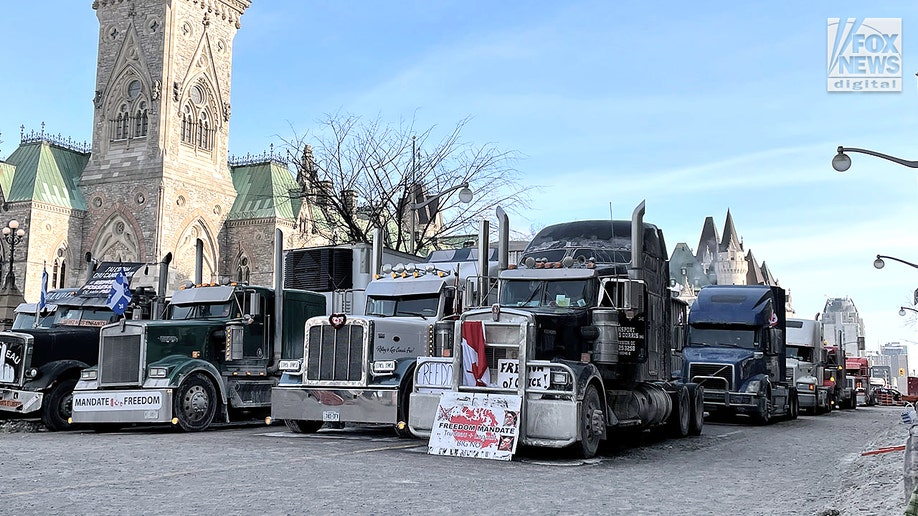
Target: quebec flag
{"type": "Point", "coordinates": [120, 295]}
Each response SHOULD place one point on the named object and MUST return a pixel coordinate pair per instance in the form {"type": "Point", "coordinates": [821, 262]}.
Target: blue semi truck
{"type": "Point", "coordinates": [736, 350]}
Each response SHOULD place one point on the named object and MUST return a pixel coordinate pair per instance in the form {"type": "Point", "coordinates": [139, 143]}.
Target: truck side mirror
{"type": "Point", "coordinates": [254, 303]}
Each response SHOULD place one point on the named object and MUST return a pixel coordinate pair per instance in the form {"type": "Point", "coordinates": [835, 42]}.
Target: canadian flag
{"type": "Point", "coordinates": [474, 362]}
{"type": "Point", "coordinates": [773, 320]}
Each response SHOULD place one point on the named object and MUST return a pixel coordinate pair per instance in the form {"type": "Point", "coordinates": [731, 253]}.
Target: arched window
{"type": "Point", "coordinates": [58, 273]}
{"type": "Point", "coordinates": [188, 124]}
{"type": "Point", "coordinates": [242, 270]}
{"type": "Point", "coordinates": [203, 130]}
{"type": "Point", "coordinates": [140, 120]}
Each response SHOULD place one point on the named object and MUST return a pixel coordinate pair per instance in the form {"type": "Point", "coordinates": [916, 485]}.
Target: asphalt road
{"type": "Point", "coordinates": [808, 466]}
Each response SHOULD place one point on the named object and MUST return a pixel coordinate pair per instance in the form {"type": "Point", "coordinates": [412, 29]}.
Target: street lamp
{"type": "Point", "coordinates": [842, 162]}
{"type": "Point", "coordinates": [13, 234]}
{"type": "Point", "coordinates": [465, 196]}
{"type": "Point", "coordinates": [879, 263]}
{"type": "Point", "coordinates": [902, 310]}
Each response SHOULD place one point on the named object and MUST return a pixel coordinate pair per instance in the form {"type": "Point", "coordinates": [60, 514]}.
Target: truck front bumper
{"type": "Point", "coordinates": [117, 406]}
{"type": "Point", "coordinates": [726, 399]}
{"type": "Point", "coordinates": [360, 405]}
{"type": "Point", "coordinates": [15, 401]}
{"type": "Point", "coordinates": [550, 423]}
{"type": "Point", "coordinates": [807, 400]}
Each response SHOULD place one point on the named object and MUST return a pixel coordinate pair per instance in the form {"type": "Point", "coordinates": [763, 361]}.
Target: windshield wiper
{"type": "Point", "coordinates": [413, 313]}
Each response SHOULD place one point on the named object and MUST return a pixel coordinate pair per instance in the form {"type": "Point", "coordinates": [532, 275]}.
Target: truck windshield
{"type": "Point", "coordinates": [804, 354]}
{"type": "Point", "coordinates": [559, 293]}
{"type": "Point", "coordinates": [744, 339]}
{"type": "Point", "coordinates": [201, 311]}
{"type": "Point", "coordinates": [85, 316]}
{"type": "Point", "coordinates": [423, 305]}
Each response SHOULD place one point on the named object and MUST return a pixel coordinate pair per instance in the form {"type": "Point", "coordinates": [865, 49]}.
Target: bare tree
{"type": "Point", "coordinates": [360, 175]}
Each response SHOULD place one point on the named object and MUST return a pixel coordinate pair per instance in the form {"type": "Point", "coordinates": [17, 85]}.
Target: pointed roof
{"type": "Point", "coordinates": [754, 273]}
{"type": "Point", "coordinates": [709, 239]}
{"type": "Point", "coordinates": [45, 172]}
{"type": "Point", "coordinates": [769, 278]}
{"type": "Point", "coordinates": [263, 191]}
{"type": "Point", "coordinates": [730, 239]}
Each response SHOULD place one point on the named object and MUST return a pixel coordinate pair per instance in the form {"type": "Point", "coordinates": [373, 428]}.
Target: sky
{"type": "Point", "coordinates": [696, 108]}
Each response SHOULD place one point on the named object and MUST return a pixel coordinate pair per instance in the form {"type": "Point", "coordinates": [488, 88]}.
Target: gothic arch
{"type": "Point", "coordinates": [196, 227]}
{"type": "Point", "coordinates": [118, 239]}
{"type": "Point", "coordinates": [199, 114]}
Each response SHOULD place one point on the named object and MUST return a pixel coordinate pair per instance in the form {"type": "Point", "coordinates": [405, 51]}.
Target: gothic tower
{"type": "Point", "coordinates": [157, 179]}
{"type": "Point", "coordinates": [731, 266]}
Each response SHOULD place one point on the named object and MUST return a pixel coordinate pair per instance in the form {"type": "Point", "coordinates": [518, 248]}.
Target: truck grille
{"type": "Point", "coordinates": [121, 360]}
{"type": "Point", "coordinates": [712, 376]}
{"type": "Point", "coordinates": [337, 357]}
{"type": "Point", "coordinates": [15, 357]}
{"type": "Point", "coordinates": [791, 373]}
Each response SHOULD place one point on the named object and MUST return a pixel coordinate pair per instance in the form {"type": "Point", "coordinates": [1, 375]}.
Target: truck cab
{"type": "Point", "coordinates": [806, 357]}
{"type": "Point", "coordinates": [380, 348]}
{"type": "Point", "coordinates": [42, 363]}
{"type": "Point", "coordinates": [214, 359]}
{"type": "Point", "coordinates": [736, 350]}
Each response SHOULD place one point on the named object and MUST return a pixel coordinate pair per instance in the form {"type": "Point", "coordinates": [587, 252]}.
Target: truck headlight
{"type": "Point", "coordinates": [158, 372]}
{"type": "Point", "coordinates": [290, 366]}
{"type": "Point", "coordinates": [31, 373]}
{"type": "Point", "coordinates": [559, 378]}
{"type": "Point", "coordinates": [753, 386]}
{"type": "Point", "coordinates": [383, 366]}
{"type": "Point", "coordinates": [88, 374]}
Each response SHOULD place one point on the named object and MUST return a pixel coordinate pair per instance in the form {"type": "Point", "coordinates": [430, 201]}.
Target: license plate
{"type": "Point", "coordinates": [151, 414]}
{"type": "Point", "coordinates": [331, 415]}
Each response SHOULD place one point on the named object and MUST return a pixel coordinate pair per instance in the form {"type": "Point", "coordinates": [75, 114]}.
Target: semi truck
{"type": "Point", "coordinates": [359, 369]}
{"type": "Point", "coordinates": [213, 360]}
{"type": "Point", "coordinates": [806, 355]}
{"type": "Point", "coordinates": [859, 370]}
{"type": "Point", "coordinates": [582, 336]}
{"type": "Point", "coordinates": [841, 391]}
{"type": "Point", "coordinates": [41, 364]}
{"type": "Point", "coordinates": [29, 315]}
{"type": "Point", "coordinates": [736, 351]}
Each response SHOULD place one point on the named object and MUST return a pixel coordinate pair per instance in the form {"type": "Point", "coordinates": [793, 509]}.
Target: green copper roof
{"type": "Point", "coordinates": [262, 191]}
{"type": "Point", "coordinates": [46, 173]}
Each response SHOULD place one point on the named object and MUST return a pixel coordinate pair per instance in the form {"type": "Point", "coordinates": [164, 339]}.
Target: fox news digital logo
{"type": "Point", "coordinates": [864, 55]}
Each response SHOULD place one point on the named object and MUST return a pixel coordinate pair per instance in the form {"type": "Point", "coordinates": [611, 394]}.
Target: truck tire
{"type": "Point", "coordinates": [58, 406]}
{"type": "Point", "coordinates": [696, 396]}
{"type": "Point", "coordinates": [301, 426]}
{"type": "Point", "coordinates": [589, 434]}
{"type": "Point", "coordinates": [793, 405]}
{"type": "Point", "coordinates": [680, 421]}
{"type": "Point", "coordinates": [195, 403]}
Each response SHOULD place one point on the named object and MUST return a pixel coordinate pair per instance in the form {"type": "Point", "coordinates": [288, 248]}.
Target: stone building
{"type": "Point", "coordinates": [719, 260]}
{"type": "Point", "coordinates": [156, 178]}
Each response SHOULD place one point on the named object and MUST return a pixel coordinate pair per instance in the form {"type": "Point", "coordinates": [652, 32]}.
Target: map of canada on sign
{"type": "Point", "coordinates": [475, 417]}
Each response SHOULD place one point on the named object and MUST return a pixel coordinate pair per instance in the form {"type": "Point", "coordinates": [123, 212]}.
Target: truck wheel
{"type": "Point", "coordinates": [680, 419]}
{"type": "Point", "coordinates": [696, 399]}
{"type": "Point", "coordinates": [793, 406]}
{"type": "Point", "coordinates": [301, 426]}
{"type": "Point", "coordinates": [590, 411]}
{"type": "Point", "coordinates": [58, 406]}
{"type": "Point", "coordinates": [195, 404]}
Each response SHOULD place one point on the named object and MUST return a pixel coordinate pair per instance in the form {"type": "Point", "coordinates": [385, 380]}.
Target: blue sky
{"type": "Point", "coordinates": [695, 107]}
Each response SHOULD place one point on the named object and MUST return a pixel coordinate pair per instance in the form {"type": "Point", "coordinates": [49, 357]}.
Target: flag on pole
{"type": "Point", "coordinates": [43, 297]}
{"type": "Point", "coordinates": [120, 294]}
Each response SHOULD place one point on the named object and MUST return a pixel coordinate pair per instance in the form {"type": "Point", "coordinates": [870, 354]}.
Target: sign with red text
{"type": "Point", "coordinates": [483, 426]}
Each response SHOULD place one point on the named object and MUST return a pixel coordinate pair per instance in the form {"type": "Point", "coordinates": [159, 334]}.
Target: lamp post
{"type": "Point", "coordinates": [842, 162]}
{"type": "Point", "coordinates": [13, 234]}
{"type": "Point", "coordinates": [902, 310]}
{"type": "Point", "coordinates": [879, 263]}
{"type": "Point", "coordinates": [465, 196]}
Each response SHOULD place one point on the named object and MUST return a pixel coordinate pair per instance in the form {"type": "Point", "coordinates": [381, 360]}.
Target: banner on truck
{"type": "Point", "coordinates": [483, 426]}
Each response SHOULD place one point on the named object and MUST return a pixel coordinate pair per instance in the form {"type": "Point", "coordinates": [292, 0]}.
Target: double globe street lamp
{"type": "Point", "coordinates": [13, 234]}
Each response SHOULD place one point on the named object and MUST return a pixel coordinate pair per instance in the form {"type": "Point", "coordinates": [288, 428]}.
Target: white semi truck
{"type": "Point", "coordinates": [806, 357]}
